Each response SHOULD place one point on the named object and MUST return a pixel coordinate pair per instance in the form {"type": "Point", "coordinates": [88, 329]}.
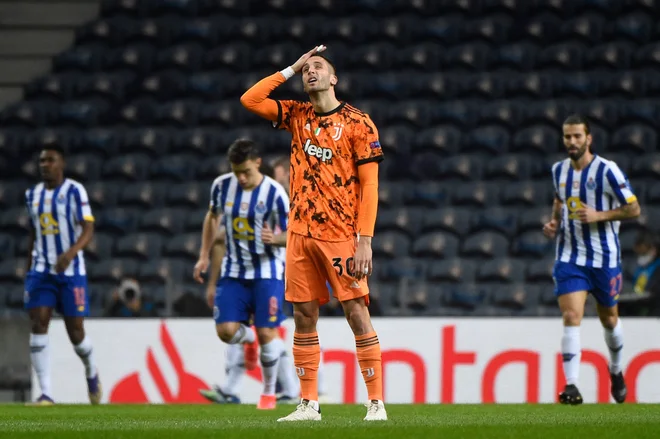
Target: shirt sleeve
{"type": "Point", "coordinates": [214, 202]}
{"type": "Point", "coordinates": [618, 185]}
{"type": "Point", "coordinates": [366, 145]}
{"type": "Point", "coordinates": [282, 209]}
{"type": "Point", "coordinates": [286, 110]}
{"type": "Point", "coordinates": [83, 210]}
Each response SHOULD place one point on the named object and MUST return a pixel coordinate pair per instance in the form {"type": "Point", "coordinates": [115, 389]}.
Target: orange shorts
{"type": "Point", "coordinates": [311, 262]}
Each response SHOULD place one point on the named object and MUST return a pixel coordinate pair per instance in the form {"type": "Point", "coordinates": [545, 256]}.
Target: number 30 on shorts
{"type": "Point", "coordinates": [337, 263]}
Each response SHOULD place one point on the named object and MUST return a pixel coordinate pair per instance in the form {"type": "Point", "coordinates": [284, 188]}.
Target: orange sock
{"type": "Point", "coordinates": [369, 358]}
{"type": "Point", "coordinates": [306, 357]}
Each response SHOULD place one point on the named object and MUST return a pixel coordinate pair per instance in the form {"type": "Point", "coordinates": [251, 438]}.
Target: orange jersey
{"type": "Point", "coordinates": [326, 150]}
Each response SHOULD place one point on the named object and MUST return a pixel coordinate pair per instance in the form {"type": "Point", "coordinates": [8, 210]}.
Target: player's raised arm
{"type": "Point", "coordinates": [256, 99]}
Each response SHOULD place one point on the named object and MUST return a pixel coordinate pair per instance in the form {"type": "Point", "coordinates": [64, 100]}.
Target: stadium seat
{"type": "Point", "coordinates": [485, 245]}
{"type": "Point", "coordinates": [508, 167]}
{"type": "Point", "coordinates": [475, 195]}
{"type": "Point", "coordinates": [82, 167]}
{"type": "Point", "coordinates": [131, 167]}
{"type": "Point", "coordinates": [150, 141]}
{"type": "Point", "coordinates": [492, 140]}
{"type": "Point", "coordinates": [464, 296]}
{"type": "Point", "coordinates": [164, 221]}
{"type": "Point", "coordinates": [427, 194]}
{"type": "Point", "coordinates": [494, 219]}
{"type": "Point", "coordinates": [106, 31]}
{"type": "Point", "coordinates": [164, 271]}
{"type": "Point", "coordinates": [639, 139]}
{"type": "Point", "coordinates": [460, 167]}
{"type": "Point", "coordinates": [500, 270]}
{"type": "Point", "coordinates": [532, 244]}
{"type": "Point", "coordinates": [407, 221]}
{"type": "Point", "coordinates": [142, 195]}
{"type": "Point", "coordinates": [389, 194]}
{"type": "Point", "coordinates": [635, 27]}
{"type": "Point", "coordinates": [88, 58]}
{"type": "Point", "coordinates": [533, 220]}
{"type": "Point", "coordinates": [183, 246]}
{"type": "Point", "coordinates": [142, 246]}
{"type": "Point", "coordinates": [102, 194]}
{"type": "Point", "coordinates": [13, 270]}
{"type": "Point", "coordinates": [517, 56]}
{"type": "Point", "coordinates": [451, 270]}
{"type": "Point", "coordinates": [533, 85]}
{"type": "Point", "coordinates": [435, 245]}
{"type": "Point", "coordinates": [614, 56]}
{"type": "Point", "coordinates": [194, 220]}
{"type": "Point", "coordinates": [400, 268]}
{"type": "Point", "coordinates": [139, 58]}
{"type": "Point", "coordinates": [187, 195]}
{"type": "Point", "coordinates": [174, 168]}
{"type": "Point", "coordinates": [444, 140]}
{"type": "Point", "coordinates": [112, 270]}
{"type": "Point", "coordinates": [516, 297]}
{"type": "Point", "coordinates": [100, 247]}
{"type": "Point", "coordinates": [540, 271]}
{"type": "Point", "coordinates": [588, 27]}
{"type": "Point", "coordinates": [391, 245]}
{"type": "Point", "coordinates": [15, 220]}
{"type": "Point", "coordinates": [118, 221]}
{"type": "Point", "coordinates": [7, 246]}
{"type": "Point", "coordinates": [528, 194]}
{"type": "Point", "coordinates": [567, 56]}
{"type": "Point", "coordinates": [449, 219]}
{"type": "Point", "coordinates": [99, 141]}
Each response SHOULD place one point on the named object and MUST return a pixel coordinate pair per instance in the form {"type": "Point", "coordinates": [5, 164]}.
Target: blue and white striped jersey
{"type": "Point", "coordinates": [244, 214]}
{"type": "Point", "coordinates": [602, 186]}
{"type": "Point", "coordinates": [56, 216]}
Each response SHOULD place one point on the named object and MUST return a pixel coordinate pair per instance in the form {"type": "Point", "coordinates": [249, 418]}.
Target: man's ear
{"type": "Point", "coordinates": [333, 80]}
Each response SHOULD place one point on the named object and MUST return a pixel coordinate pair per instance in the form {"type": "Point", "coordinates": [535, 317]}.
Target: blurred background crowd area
{"type": "Point", "coordinates": [468, 97]}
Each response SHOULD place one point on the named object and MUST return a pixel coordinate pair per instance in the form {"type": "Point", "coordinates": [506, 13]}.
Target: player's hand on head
{"type": "Point", "coordinates": [200, 267]}
{"type": "Point", "coordinates": [298, 65]}
{"type": "Point", "coordinates": [267, 235]}
{"type": "Point", "coordinates": [550, 229]}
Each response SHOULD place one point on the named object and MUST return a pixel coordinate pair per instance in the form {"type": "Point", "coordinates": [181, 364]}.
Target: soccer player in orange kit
{"type": "Point", "coordinates": [334, 201]}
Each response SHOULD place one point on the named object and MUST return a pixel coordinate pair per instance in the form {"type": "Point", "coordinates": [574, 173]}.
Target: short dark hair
{"type": "Point", "coordinates": [267, 170]}
{"type": "Point", "coordinates": [281, 161]}
{"type": "Point", "coordinates": [578, 119]}
{"type": "Point", "coordinates": [242, 150]}
{"type": "Point", "coordinates": [646, 237]}
{"type": "Point", "coordinates": [330, 63]}
{"type": "Point", "coordinates": [54, 147]}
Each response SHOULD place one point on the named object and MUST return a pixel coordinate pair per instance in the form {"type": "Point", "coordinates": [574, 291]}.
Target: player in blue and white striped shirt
{"type": "Point", "coordinates": [250, 205]}
{"type": "Point", "coordinates": [592, 196]}
{"type": "Point", "coordinates": [62, 226]}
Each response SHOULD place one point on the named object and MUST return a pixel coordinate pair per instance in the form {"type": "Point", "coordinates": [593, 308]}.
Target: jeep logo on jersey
{"type": "Point", "coordinates": [324, 154]}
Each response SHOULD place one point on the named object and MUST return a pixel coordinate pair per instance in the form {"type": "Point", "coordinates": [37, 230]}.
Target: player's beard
{"type": "Point", "coordinates": [577, 155]}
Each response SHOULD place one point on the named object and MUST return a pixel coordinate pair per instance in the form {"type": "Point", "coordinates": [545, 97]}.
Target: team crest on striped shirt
{"type": "Point", "coordinates": [260, 207]}
{"type": "Point", "coordinates": [591, 184]}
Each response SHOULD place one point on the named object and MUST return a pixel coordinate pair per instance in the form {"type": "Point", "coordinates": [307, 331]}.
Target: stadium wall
{"type": "Point", "coordinates": [427, 360]}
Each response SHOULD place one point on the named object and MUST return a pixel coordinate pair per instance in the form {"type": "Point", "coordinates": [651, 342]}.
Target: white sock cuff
{"type": "Point", "coordinates": [272, 350]}
{"type": "Point", "coordinates": [617, 328]}
{"type": "Point", "coordinates": [572, 331]}
{"type": "Point", "coordinates": [38, 339]}
{"type": "Point", "coordinates": [84, 346]}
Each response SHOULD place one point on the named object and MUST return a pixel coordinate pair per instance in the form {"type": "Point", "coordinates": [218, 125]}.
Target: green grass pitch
{"type": "Point", "coordinates": [339, 421]}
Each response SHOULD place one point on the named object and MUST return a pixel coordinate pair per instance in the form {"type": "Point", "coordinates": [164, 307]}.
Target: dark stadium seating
{"type": "Point", "coordinates": [468, 97]}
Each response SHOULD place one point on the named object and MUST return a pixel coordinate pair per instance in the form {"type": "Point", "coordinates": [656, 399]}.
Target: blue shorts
{"type": "Point", "coordinates": [68, 295]}
{"type": "Point", "coordinates": [237, 300]}
{"type": "Point", "coordinates": [604, 283]}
